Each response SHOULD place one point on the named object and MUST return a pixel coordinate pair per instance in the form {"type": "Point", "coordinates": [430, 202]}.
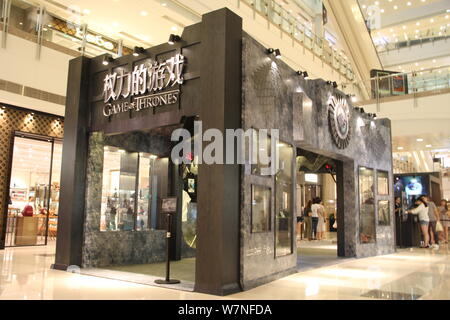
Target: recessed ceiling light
{"type": "Point", "coordinates": [420, 140]}
{"type": "Point", "coordinates": [400, 148]}
{"type": "Point", "coordinates": [431, 20]}
{"type": "Point", "coordinates": [144, 13]}
{"type": "Point", "coordinates": [395, 7]}
{"type": "Point", "coordinates": [86, 11]}
{"type": "Point", "coordinates": [408, 3]}
{"type": "Point", "coordinates": [429, 146]}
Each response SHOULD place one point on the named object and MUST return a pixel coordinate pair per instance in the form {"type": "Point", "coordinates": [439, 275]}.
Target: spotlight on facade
{"type": "Point", "coordinates": [137, 51]}
{"type": "Point", "coordinates": [303, 74]}
{"type": "Point", "coordinates": [278, 54]}
{"type": "Point", "coordinates": [335, 85]}
{"type": "Point", "coordinates": [107, 60]}
{"type": "Point", "coordinates": [275, 52]}
{"type": "Point", "coordinates": [173, 38]}
{"type": "Point", "coordinates": [328, 82]}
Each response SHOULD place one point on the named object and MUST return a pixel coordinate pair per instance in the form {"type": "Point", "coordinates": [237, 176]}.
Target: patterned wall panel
{"type": "Point", "coordinates": [14, 119]}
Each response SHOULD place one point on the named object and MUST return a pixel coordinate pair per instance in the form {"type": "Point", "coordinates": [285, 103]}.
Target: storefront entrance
{"type": "Point", "coordinates": [33, 200]}
{"type": "Point", "coordinates": [317, 240]}
{"type": "Point", "coordinates": [126, 226]}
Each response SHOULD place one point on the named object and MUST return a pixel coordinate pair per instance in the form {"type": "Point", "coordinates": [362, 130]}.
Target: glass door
{"type": "Point", "coordinates": [33, 191]}
{"type": "Point", "coordinates": [54, 191]}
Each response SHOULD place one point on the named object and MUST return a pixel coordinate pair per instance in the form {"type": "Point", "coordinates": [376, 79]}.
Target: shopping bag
{"type": "Point", "coordinates": [439, 227]}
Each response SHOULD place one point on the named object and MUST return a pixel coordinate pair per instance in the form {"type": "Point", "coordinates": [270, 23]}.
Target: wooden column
{"type": "Point", "coordinates": [218, 249]}
{"type": "Point", "coordinates": [73, 170]}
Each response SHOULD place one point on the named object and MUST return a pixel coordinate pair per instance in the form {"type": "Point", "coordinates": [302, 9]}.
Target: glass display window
{"type": "Point", "coordinates": [384, 213]}
{"type": "Point", "coordinates": [383, 183]}
{"type": "Point", "coordinates": [262, 144]}
{"type": "Point", "coordinates": [261, 209]}
{"type": "Point", "coordinates": [126, 190]}
{"type": "Point", "coordinates": [284, 226]}
{"type": "Point", "coordinates": [367, 225]}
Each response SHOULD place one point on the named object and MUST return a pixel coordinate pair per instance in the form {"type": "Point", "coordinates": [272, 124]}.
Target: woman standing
{"type": "Point", "coordinates": [422, 211]}
{"type": "Point", "coordinates": [321, 221]}
{"type": "Point", "coordinates": [308, 221]}
{"type": "Point", "coordinates": [445, 218]}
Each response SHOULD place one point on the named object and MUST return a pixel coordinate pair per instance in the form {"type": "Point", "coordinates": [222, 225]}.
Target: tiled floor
{"type": "Point", "coordinates": [314, 254]}
{"type": "Point", "coordinates": [409, 274]}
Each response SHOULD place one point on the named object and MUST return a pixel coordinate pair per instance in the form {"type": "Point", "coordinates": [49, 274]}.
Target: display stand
{"type": "Point", "coordinates": [168, 207]}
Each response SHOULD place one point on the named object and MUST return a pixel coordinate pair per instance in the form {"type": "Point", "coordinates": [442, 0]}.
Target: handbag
{"type": "Point", "coordinates": [439, 227]}
{"type": "Point", "coordinates": [335, 225]}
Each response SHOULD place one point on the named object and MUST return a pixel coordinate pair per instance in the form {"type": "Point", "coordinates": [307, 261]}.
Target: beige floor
{"type": "Point", "coordinates": [420, 273]}
{"type": "Point", "coordinates": [183, 270]}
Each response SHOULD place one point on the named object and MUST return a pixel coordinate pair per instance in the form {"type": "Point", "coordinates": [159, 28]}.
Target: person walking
{"type": "Point", "coordinates": [422, 211]}
{"type": "Point", "coordinates": [307, 212]}
{"type": "Point", "coordinates": [315, 208]}
{"type": "Point", "coordinates": [444, 216]}
{"type": "Point", "coordinates": [300, 221]}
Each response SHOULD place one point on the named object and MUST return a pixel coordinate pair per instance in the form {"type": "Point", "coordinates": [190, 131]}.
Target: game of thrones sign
{"type": "Point", "coordinates": [151, 84]}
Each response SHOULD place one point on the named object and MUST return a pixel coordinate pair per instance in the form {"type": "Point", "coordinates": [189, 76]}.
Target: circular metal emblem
{"type": "Point", "coordinates": [339, 121]}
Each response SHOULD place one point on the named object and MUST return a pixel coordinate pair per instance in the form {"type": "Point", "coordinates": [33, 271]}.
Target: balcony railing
{"type": "Point", "coordinates": [409, 39]}
{"type": "Point", "coordinates": [34, 19]}
{"type": "Point", "coordinates": [300, 33]}
{"type": "Point", "coordinates": [400, 84]}
{"type": "Point", "coordinates": [33, 22]}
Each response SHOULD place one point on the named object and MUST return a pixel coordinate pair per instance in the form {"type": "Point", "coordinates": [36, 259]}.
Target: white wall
{"type": "Point", "coordinates": [428, 115]}
{"type": "Point", "coordinates": [18, 64]}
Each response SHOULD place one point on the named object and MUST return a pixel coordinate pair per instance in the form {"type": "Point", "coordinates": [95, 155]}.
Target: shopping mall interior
{"type": "Point", "coordinates": [345, 198]}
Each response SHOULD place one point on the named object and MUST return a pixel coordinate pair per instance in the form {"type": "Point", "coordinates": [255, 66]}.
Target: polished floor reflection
{"type": "Point", "coordinates": [407, 275]}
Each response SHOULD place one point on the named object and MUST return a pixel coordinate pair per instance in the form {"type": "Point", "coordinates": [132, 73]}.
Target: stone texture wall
{"type": "Point", "coordinates": [102, 249]}
{"type": "Point", "coordinates": [11, 120]}
{"type": "Point", "coordinates": [275, 97]}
